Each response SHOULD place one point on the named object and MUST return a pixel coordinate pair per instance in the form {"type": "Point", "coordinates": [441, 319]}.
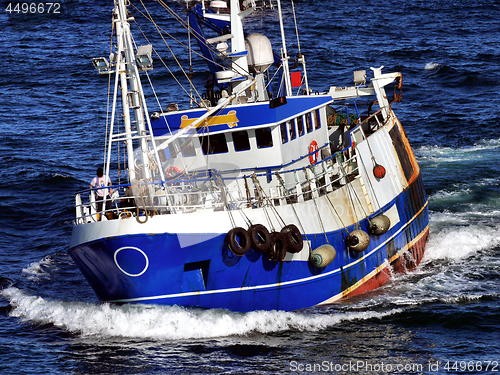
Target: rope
{"type": "Point", "coordinates": [234, 201]}
{"type": "Point", "coordinates": [137, 187]}
{"type": "Point", "coordinates": [349, 189]}
{"type": "Point", "coordinates": [224, 197]}
{"type": "Point", "coordinates": [262, 196]}
{"type": "Point", "coordinates": [369, 181]}
{"type": "Point", "coordinates": [293, 207]}
{"type": "Point", "coordinates": [315, 204]}
{"type": "Point", "coordinates": [249, 196]}
{"type": "Point", "coordinates": [336, 213]}
{"type": "Point", "coordinates": [349, 192]}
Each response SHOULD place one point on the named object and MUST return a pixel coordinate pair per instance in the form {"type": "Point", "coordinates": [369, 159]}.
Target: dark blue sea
{"type": "Point", "coordinates": [442, 318]}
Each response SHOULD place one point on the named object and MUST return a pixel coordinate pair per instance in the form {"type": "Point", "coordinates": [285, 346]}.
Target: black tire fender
{"type": "Point", "coordinates": [238, 241]}
{"type": "Point", "coordinates": [279, 247]}
{"type": "Point", "coordinates": [295, 241]}
{"type": "Point", "coordinates": [260, 237]}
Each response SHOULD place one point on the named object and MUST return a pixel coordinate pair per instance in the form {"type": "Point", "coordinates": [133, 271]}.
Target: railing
{"type": "Point", "coordinates": [212, 191]}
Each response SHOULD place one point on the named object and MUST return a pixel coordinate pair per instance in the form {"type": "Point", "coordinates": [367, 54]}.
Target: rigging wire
{"type": "Point", "coordinates": [190, 53]}
{"type": "Point", "coordinates": [199, 37]}
{"type": "Point", "coordinates": [109, 96]}
{"type": "Point", "coordinates": [172, 53]}
{"type": "Point", "coordinates": [145, 71]}
{"type": "Point", "coordinates": [296, 28]}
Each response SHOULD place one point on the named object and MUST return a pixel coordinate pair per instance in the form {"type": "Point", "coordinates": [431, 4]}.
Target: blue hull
{"type": "Point", "coordinates": [154, 268]}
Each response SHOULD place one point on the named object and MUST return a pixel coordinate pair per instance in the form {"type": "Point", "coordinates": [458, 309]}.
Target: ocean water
{"type": "Point", "coordinates": [442, 318]}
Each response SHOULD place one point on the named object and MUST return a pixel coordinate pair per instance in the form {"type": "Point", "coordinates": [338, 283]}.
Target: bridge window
{"type": "Point", "coordinates": [308, 122]}
{"type": "Point", "coordinates": [241, 141]}
{"type": "Point", "coordinates": [264, 137]}
{"type": "Point", "coordinates": [316, 119]}
{"type": "Point", "coordinates": [300, 125]}
{"type": "Point", "coordinates": [214, 144]}
{"type": "Point", "coordinates": [284, 135]}
{"type": "Point", "coordinates": [291, 127]}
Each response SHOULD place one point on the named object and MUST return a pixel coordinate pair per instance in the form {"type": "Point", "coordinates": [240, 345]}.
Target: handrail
{"type": "Point", "coordinates": [189, 195]}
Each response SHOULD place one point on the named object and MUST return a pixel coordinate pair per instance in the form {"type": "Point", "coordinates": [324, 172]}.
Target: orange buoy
{"type": "Point", "coordinates": [379, 171]}
{"type": "Point", "coordinates": [313, 147]}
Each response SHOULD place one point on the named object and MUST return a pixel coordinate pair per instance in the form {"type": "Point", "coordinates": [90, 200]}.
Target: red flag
{"type": "Point", "coordinates": [296, 79]}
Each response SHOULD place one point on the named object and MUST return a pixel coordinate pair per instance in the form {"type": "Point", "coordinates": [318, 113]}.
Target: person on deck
{"type": "Point", "coordinates": [100, 181]}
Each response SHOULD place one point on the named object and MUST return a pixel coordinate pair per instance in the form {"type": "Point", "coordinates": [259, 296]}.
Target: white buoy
{"type": "Point", "coordinates": [322, 256]}
{"type": "Point", "coordinates": [379, 225]}
{"type": "Point", "coordinates": [358, 241]}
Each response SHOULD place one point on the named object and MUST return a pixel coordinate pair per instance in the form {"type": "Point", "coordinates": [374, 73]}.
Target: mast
{"type": "Point", "coordinates": [131, 74]}
{"type": "Point", "coordinates": [132, 99]}
{"type": "Point", "coordinates": [238, 48]}
{"type": "Point", "coordinates": [284, 57]}
{"type": "Point", "coordinates": [120, 69]}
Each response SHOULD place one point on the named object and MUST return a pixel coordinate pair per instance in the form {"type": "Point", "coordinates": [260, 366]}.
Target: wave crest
{"type": "Point", "coordinates": [168, 322]}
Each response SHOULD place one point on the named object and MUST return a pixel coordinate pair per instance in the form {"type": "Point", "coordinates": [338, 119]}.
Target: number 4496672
{"type": "Point", "coordinates": [476, 366]}
{"type": "Point", "coordinates": [33, 8]}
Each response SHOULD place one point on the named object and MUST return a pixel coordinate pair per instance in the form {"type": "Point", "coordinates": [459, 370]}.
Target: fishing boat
{"type": "Point", "coordinates": [262, 193]}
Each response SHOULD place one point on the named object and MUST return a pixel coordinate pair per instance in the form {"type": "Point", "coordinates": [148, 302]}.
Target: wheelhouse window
{"type": "Point", "coordinates": [264, 137]}
{"type": "Point", "coordinates": [187, 147]}
{"type": "Point", "coordinates": [164, 155]}
{"type": "Point", "coordinates": [214, 144]}
{"type": "Point", "coordinates": [300, 125]}
{"type": "Point", "coordinates": [308, 122]}
{"type": "Point", "coordinates": [291, 127]}
{"type": "Point", "coordinates": [172, 150]}
{"type": "Point", "coordinates": [284, 135]}
{"type": "Point", "coordinates": [316, 119]}
{"type": "Point", "coordinates": [241, 141]}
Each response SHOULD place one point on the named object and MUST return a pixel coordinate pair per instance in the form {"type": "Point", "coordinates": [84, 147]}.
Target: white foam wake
{"type": "Point", "coordinates": [167, 322]}
{"type": "Point", "coordinates": [454, 237]}
{"type": "Point", "coordinates": [37, 270]}
{"type": "Point", "coordinates": [451, 154]}
{"type": "Point", "coordinates": [432, 66]}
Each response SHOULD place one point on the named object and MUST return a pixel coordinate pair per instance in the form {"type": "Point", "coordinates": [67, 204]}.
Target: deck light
{"type": "Point", "coordinates": [143, 57]}
{"type": "Point", "coordinates": [360, 77]}
{"type": "Point", "coordinates": [101, 64]}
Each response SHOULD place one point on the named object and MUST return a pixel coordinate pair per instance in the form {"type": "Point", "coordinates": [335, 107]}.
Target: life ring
{"type": "Point", "coordinates": [313, 157]}
{"type": "Point", "coordinates": [238, 241]}
{"type": "Point", "coordinates": [173, 171]}
{"type": "Point", "coordinates": [260, 237]}
{"type": "Point", "coordinates": [295, 241]}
